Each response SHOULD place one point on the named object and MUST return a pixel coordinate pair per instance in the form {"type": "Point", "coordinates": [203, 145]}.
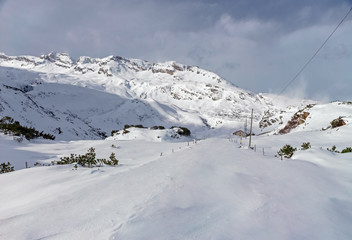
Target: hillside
{"type": "Point", "coordinates": [212, 189]}
{"type": "Point", "coordinates": [86, 98]}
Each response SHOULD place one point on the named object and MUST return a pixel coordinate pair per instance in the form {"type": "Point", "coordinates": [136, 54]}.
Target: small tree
{"type": "Point", "coordinates": [287, 151]}
{"type": "Point", "coordinates": [305, 146]}
{"type": "Point", "coordinates": [5, 168]}
{"type": "Point", "coordinates": [346, 150]}
{"type": "Point", "coordinates": [333, 149]}
{"type": "Point", "coordinates": [112, 160]}
{"type": "Point", "coordinates": [88, 159]}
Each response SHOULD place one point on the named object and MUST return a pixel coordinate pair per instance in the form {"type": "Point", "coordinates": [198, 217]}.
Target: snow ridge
{"type": "Point", "coordinates": [90, 96]}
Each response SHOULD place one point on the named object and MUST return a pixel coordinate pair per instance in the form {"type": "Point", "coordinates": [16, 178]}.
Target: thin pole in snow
{"type": "Point", "coordinates": [245, 129]}
{"type": "Point", "coordinates": [250, 132]}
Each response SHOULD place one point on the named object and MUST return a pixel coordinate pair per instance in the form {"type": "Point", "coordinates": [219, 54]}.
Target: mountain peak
{"type": "Point", "coordinates": [61, 59]}
{"type": "Point", "coordinates": [77, 97]}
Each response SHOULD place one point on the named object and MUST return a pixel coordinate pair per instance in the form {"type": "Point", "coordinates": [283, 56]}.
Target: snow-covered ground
{"type": "Point", "coordinates": [210, 185]}
{"type": "Point", "coordinates": [212, 189]}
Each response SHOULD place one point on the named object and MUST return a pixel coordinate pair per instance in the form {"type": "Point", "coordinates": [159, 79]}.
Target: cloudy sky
{"type": "Point", "coordinates": [257, 45]}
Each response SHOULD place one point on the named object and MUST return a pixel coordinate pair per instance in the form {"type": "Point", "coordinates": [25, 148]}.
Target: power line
{"type": "Point", "coordinates": [305, 65]}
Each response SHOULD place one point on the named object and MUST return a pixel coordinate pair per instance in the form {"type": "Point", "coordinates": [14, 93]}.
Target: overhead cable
{"type": "Point", "coordinates": [306, 64]}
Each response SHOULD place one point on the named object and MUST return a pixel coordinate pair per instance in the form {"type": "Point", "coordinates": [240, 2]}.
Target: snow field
{"type": "Point", "coordinates": [209, 190]}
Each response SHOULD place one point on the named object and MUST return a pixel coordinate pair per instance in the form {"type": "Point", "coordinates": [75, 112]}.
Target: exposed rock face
{"type": "Point", "coordinates": [338, 122]}
{"type": "Point", "coordinates": [297, 119]}
{"type": "Point", "coordinates": [269, 118]}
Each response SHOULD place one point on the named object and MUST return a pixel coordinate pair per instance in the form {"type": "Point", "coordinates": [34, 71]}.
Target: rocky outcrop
{"type": "Point", "coordinates": [338, 122]}
{"type": "Point", "coordinates": [297, 119]}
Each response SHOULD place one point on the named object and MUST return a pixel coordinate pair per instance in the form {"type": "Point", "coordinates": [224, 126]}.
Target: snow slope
{"type": "Point", "coordinates": [210, 185]}
{"type": "Point", "coordinates": [209, 190]}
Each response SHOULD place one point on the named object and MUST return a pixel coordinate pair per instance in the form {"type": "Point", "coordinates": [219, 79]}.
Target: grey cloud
{"type": "Point", "coordinates": [2, 3]}
{"type": "Point", "coordinates": [257, 45]}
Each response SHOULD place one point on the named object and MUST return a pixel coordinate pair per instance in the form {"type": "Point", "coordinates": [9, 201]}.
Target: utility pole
{"type": "Point", "coordinates": [250, 132]}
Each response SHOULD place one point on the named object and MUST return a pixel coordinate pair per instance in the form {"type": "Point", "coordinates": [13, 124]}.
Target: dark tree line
{"type": "Point", "coordinates": [9, 126]}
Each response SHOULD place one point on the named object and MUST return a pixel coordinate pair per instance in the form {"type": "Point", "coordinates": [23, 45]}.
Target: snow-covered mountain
{"type": "Point", "coordinates": [83, 99]}
{"type": "Point", "coordinates": [167, 185]}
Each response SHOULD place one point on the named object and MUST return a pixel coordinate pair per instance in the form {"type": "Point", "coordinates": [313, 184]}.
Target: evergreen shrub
{"type": "Point", "coordinates": [287, 151]}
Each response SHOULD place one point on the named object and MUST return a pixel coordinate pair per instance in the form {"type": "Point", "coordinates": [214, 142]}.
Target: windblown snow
{"type": "Point", "coordinates": [209, 185]}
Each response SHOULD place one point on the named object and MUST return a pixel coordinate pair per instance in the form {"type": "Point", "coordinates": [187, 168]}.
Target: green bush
{"type": "Point", "coordinates": [88, 159]}
{"type": "Point", "coordinates": [347, 150]}
{"type": "Point", "coordinates": [333, 149]}
{"type": "Point", "coordinates": [112, 160]}
{"type": "Point", "coordinates": [5, 168]}
{"type": "Point", "coordinates": [9, 126]}
{"type": "Point", "coordinates": [287, 151]}
{"type": "Point", "coordinates": [305, 146]}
